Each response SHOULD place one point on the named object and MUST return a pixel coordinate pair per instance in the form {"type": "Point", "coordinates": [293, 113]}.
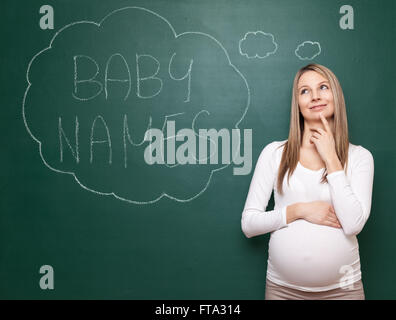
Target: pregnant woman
{"type": "Point", "coordinates": [322, 189]}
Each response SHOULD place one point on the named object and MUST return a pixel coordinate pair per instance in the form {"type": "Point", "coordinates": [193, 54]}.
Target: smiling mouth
{"type": "Point", "coordinates": [320, 106]}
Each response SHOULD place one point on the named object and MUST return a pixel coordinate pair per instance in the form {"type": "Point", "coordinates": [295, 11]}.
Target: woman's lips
{"type": "Point", "coordinates": [319, 107]}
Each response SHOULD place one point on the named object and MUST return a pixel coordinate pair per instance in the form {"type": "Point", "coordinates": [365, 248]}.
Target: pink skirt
{"type": "Point", "coordinates": [274, 291]}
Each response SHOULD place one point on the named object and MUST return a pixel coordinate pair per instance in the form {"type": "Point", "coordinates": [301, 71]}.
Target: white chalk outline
{"type": "Point", "coordinates": [146, 78]}
{"type": "Point", "coordinates": [187, 74]}
{"type": "Point", "coordinates": [303, 44]}
{"type": "Point", "coordinates": [176, 36]}
{"type": "Point", "coordinates": [256, 55]}
{"type": "Point", "coordinates": [91, 141]}
{"type": "Point", "coordinates": [63, 134]}
{"type": "Point", "coordinates": [92, 79]}
{"type": "Point", "coordinates": [129, 80]}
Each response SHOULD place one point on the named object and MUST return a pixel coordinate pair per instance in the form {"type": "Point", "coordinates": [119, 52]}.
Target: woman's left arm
{"type": "Point", "coordinates": [352, 197]}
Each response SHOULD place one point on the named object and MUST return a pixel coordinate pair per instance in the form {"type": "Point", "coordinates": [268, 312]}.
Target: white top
{"type": "Point", "coordinates": [303, 255]}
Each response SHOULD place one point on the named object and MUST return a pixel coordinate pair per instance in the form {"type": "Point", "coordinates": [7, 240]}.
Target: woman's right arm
{"type": "Point", "coordinates": [255, 220]}
{"type": "Point", "coordinates": [317, 212]}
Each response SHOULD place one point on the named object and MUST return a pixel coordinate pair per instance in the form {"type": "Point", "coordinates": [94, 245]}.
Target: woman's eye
{"type": "Point", "coordinates": [323, 85]}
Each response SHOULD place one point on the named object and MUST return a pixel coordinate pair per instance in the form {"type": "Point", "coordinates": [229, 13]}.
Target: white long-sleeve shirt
{"type": "Point", "coordinates": [303, 255]}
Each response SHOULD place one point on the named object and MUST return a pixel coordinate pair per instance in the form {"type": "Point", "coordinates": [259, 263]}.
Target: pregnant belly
{"type": "Point", "coordinates": [310, 255]}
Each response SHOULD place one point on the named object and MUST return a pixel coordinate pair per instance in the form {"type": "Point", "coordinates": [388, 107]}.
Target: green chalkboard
{"type": "Point", "coordinates": [130, 131]}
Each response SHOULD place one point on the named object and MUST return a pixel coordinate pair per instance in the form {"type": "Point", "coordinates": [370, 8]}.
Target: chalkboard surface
{"type": "Point", "coordinates": [113, 185]}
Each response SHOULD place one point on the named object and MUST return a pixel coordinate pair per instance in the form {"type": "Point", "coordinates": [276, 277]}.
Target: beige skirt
{"type": "Point", "coordinates": [274, 291]}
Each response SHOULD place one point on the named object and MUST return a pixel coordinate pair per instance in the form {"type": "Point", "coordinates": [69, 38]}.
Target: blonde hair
{"type": "Point", "coordinates": [291, 152]}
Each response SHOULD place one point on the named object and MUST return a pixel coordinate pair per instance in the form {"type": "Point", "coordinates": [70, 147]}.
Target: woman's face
{"type": "Point", "coordinates": [314, 90]}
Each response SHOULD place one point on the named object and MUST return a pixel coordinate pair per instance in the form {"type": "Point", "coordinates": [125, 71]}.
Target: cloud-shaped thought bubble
{"type": "Point", "coordinates": [98, 87]}
{"type": "Point", "coordinates": [257, 44]}
{"type": "Point", "coordinates": [308, 50]}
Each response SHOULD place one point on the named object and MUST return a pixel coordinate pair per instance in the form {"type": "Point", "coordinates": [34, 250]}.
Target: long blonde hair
{"type": "Point", "coordinates": [291, 152]}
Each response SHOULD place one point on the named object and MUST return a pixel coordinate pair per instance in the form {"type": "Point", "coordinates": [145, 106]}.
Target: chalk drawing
{"type": "Point", "coordinates": [152, 77]}
{"type": "Point", "coordinates": [118, 80]}
{"type": "Point", "coordinates": [108, 140]}
{"type": "Point", "coordinates": [74, 151]}
{"type": "Point", "coordinates": [126, 136]}
{"type": "Point", "coordinates": [310, 46]}
{"type": "Point", "coordinates": [90, 80]}
{"type": "Point", "coordinates": [188, 74]}
{"type": "Point", "coordinates": [258, 36]}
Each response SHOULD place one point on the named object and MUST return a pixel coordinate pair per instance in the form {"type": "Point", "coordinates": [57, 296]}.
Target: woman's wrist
{"type": "Point", "coordinates": [294, 212]}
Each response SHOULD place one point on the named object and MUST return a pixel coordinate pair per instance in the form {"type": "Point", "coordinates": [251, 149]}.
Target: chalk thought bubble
{"type": "Point", "coordinates": [257, 44]}
{"type": "Point", "coordinates": [99, 86]}
{"type": "Point", "coordinates": [308, 50]}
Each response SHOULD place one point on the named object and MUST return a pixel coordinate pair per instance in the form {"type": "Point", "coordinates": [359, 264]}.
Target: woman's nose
{"type": "Point", "coordinates": [315, 95]}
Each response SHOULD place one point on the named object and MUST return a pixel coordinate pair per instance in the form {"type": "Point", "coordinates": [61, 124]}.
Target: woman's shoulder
{"type": "Point", "coordinates": [358, 151]}
{"type": "Point", "coordinates": [273, 150]}
{"type": "Point", "coordinates": [274, 146]}
{"type": "Point", "coordinates": [360, 155]}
